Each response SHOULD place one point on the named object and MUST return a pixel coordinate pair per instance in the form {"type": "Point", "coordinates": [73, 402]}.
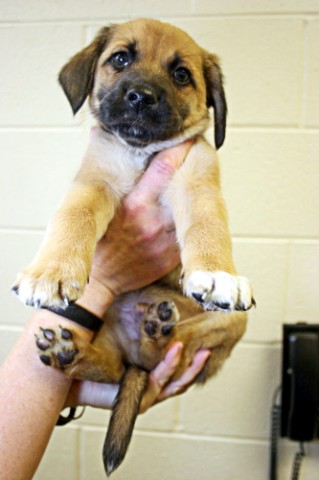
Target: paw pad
{"type": "Point", "coordinates": [56, 347]}
{"type": "Point", "coordinates": [158, 319]}
{"type": "Point", "coordinates": [165, 310]}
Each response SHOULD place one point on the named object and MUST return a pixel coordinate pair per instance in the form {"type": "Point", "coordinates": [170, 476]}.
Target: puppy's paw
{"type": "Point", "coordinates": [219, 291]}
{"type": "Point", "coordinates": [158, 319]}
{"type": "Point", "coordinates": [52, 283]}
{"type": "Point", "coordinates": [56, 347]}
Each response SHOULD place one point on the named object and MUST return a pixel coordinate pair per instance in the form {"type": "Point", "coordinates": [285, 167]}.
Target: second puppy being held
{"type": "Point", "coordinates": [150, 86]}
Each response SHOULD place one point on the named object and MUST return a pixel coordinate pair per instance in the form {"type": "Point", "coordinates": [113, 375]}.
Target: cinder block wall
{"type": "Point", "coordinates": [269, 52]}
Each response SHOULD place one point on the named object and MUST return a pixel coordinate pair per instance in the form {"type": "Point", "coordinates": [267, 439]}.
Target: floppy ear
{"type": "Point", "coordinates": [77, 76]}
{"type": "Point", "coordinates": [216, 96]}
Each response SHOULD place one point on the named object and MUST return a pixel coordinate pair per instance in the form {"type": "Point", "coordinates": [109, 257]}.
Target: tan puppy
{"type": "Point", "coordinates": [150, 86]}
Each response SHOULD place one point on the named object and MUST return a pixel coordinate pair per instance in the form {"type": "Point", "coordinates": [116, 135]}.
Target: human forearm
{"type": "Point", "coordinates": [32, 395]}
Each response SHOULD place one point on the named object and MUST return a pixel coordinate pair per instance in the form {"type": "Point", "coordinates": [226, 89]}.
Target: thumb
{"type": "Point", "coordinates": [160, 170]}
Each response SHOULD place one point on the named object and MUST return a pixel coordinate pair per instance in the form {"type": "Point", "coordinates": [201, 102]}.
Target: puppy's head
{"type": "Point", "coordinates": [147, 82]}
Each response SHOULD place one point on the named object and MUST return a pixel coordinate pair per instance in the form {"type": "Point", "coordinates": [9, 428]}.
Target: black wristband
{"type": "Point", "coordinates": [78, 315]}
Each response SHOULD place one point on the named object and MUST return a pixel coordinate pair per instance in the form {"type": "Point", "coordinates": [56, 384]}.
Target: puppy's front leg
{"type": "Point", "coordinates": [202, 231]}
{"type": "Point", "coordinates": [61, 269]}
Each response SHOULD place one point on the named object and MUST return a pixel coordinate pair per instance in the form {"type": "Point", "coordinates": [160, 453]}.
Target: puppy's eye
{"type": "Point", "coordinates": [182, 75]}
{"type": "Point", "coordinates": [120, 60]}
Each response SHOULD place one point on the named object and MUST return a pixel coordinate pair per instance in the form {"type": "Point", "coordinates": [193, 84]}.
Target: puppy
{"type": "Point", "coordinates": [150, 86]}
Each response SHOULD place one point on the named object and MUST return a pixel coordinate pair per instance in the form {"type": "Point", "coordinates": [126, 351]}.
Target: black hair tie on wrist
{"type": "Point", "coordinates": [64, 420]}
{"type": "Point", "coordinates": [78, 315]}
{"type": "Point", "coordinates": [61, 421]}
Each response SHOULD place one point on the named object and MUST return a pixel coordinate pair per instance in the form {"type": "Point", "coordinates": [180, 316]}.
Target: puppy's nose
{"type": "Point", "coordinates": [141, 97]}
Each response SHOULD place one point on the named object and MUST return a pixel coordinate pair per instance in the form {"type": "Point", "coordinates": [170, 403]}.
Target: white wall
{"type": "Point", "coordinates": [269, 52]}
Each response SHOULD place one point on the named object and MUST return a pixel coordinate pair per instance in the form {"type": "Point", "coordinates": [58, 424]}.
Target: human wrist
{"type": "Point", "coordinates": [96, 298]}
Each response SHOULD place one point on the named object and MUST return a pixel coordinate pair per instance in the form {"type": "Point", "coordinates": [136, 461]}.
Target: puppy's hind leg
{"type": "Point", "coordinates": [157, 319]}
{"type": "Point", "coordinates": [65, 350]}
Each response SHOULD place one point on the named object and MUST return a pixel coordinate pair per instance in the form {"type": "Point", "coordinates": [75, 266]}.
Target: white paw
{"type": "Point", "coordinates": [52, 284]}
{"type": "Point", "coordinates": [219, 291]}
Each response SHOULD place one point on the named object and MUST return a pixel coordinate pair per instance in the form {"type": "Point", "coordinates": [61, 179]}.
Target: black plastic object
{"type": "Point", "coordinates": [300, 382]}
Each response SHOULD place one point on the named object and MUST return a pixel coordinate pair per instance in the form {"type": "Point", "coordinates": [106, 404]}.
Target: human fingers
{"type": "Point", "coordinates": [160, 170]}
{"type": "Point", "coordinates": [83, 393]}
{"type": "Point", "coordinates": [186, 380]}
{"type": "Point", "coordinates": [161, 375]}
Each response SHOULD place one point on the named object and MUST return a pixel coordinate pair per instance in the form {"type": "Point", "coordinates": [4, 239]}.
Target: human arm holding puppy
{"type": "Point", "coordinates": [142, 224]}
{"type": "Point", "coordinates": [32, 395]}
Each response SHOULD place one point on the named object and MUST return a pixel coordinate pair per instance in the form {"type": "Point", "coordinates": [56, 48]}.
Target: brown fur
{"type": "Point", "coordinates": [163, 110]}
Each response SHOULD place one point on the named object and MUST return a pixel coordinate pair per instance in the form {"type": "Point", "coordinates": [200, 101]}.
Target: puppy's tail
{"type": "Point", "coordinates": [125, 411]}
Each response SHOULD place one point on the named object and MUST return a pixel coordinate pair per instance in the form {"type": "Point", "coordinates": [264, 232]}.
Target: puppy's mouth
{"type": "Point", "coordinates": [134, 134]}
{"type": "Point", "coordinates": [140, 131]}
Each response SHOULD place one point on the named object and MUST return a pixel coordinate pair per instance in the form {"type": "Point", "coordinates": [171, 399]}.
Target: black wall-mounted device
{"type": "Point", "coordinates": [300, 382]}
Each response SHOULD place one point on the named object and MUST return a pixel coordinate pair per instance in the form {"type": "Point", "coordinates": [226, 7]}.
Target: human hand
{"type": "Point", "coordinates": [83, 393]}
{"type": "Point", "coordinates": [139, 246]}
{"type": "Point", "coordinates": [160, 387]}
